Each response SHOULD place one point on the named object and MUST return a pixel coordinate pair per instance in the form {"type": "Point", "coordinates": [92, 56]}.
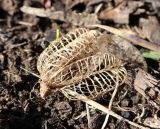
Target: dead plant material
{"type": "Point", "coordinates": [117, 15]}
{"type": "Point", "coordinates": [101, 108]}
{"type": "Point", "coordinates": [82, 19]}
{"type": "Point", "coordinates": [77, 19]}
{"type": "Point", "coordinates": [77, 66]}
{"type": "Point", "coordinates": [121, 13]}
{"type": "Point", "coordinates": [9, 5]}
{"type": "Point", "coordinates": [91, 79]}
{"type": "Point", "coordinates": [76, 44]}
{"type": "Point", "coordinates": [124, 50]}
{"type": "Point", "coordinates": [148, 86]}
{"type": "Point", "coordinates": [148, 29]}
{"type": "Point", "coordinates": [152, 122]}
{"type": "Point", "coordinates": [56, 15]}
{"type": "Point", "coordinates": [151, 29]}
{"type": "Point", "coordinates": [94, 2]}
{"type": "Point", "coordinates": [111, 102]}
{"type": "Point", "coordinates": [78, 62]}
{"type": "Point", "coordinates": [47, 4]}
{"type": "Point", "coordinates": [131, 36]}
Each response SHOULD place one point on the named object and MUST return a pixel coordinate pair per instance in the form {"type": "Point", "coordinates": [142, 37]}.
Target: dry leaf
{"type": "Point", "coordinates": [151, 29]}
{"type": "Point", "coordinates": [82, 19]}
{"type": "Point", "coordinates": [121, 13]}
{"type": "Point", "coordinates": [56, 15]}
{"type": "Point", "coordinates": [117, 15]}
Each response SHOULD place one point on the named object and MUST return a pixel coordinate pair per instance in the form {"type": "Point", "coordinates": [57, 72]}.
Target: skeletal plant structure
{"type": "Point", "coordinates": [80, 62]}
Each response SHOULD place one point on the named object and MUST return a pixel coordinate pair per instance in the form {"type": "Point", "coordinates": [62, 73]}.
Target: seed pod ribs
{"type": "Point", "coordinates": [73, 46]}
{"type": "Point", "coordinates": [79, 62]}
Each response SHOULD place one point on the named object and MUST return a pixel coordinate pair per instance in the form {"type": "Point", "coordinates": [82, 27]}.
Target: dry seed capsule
{"type": "Point", "coordinates": [75, 45]}
{"type": "Point", "coordinates": [92, 76]}
{"type": "Point", "coordinates": [89, 76]}
{"type": "Point", "coordinates": [98, 83]}
{"type": "Point", "coordinates": [85, 67]}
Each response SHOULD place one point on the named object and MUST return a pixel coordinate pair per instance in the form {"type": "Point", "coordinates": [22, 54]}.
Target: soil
{"type": "Point", "coordinates": [21, 106]}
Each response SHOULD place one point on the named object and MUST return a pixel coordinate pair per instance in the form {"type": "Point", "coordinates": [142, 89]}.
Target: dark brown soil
{"type": "Point", "coordinates": [21, 106]}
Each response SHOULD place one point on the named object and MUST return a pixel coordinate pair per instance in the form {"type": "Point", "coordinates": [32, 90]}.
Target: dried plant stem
{"type": "Point", "coordinates": [131, 37]}
{"type": "Point", "coordinates": [88, 114]}
{"type": "Point", "coordinates": [11, 46]}
{"type": "Point", "coordinates": [102, 108]}
{"type": "Point", "coordinates": [43, 13]}
{"type": "Point", "coordinates": [110, 103]}
{"type": "Point", "coordinates": [25, 23]}
{"type": "Point", "coordinates": [30, 72]}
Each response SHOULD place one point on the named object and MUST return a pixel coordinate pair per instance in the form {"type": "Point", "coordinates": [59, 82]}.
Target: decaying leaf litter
{"type": "Point", "coordinates": [23, 98]}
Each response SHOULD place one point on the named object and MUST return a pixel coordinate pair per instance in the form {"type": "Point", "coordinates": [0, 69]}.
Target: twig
{"type": "Point", "coordinates": [131, 37]}
{"type": "Point", "coordinates": [11, 46]}
{"type": "Point", "coordinates": [88, 114]}
{"type": "Point", "coordinates": [30, 72]}
{"type": "Point", "coordinates": [25, 23]}
{"type": "Point", "coordinates": [102, 108]}
{"type": "Point", "coordinates": [83, 114]}
{"type": "Point", "coordinates": [35, 11]}
{"type": "Point", "coordinates": [56, 15]}
{"type": "Point", "coordinates": [111, 101]}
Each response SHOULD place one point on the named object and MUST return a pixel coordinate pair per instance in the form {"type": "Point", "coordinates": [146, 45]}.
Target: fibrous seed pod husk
{"type": "Point", "coordinates": [96, 84]}
{"type": "Point", "coordinates": [90, 76]}
{"type": "Point", "coordinates": [85, 67]}
{"type": "Point", "coordinates": [79, 62]}
{"type": "Point", "coordinates": [75, 45]}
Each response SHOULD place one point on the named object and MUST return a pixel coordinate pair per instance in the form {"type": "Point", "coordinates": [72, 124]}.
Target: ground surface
{"type": "Point", "coordinates": [21, 106]}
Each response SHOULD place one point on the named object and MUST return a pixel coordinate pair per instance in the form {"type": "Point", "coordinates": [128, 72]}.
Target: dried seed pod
{"type": "Point", "coordinates": [85, 67]}
{"type": "Point", "coordinates": [79, 62]}
{"type": "Point", "coordinates": [89, 76]}
{"type": "Point", "coordinates": [75, 45]}
{"type": "Point", "coordinates": [97, 84]}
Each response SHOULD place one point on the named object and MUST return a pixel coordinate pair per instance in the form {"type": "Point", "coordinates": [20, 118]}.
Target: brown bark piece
{"type": "Point", "coordinates": [148, 86]}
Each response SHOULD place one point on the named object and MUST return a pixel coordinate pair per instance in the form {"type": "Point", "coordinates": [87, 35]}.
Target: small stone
{"type": "Point", "coordinates": [126, 114]}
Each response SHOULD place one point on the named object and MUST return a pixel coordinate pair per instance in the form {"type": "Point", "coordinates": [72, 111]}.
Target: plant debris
{"type": "Point", "coordinates": [29, 27]}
